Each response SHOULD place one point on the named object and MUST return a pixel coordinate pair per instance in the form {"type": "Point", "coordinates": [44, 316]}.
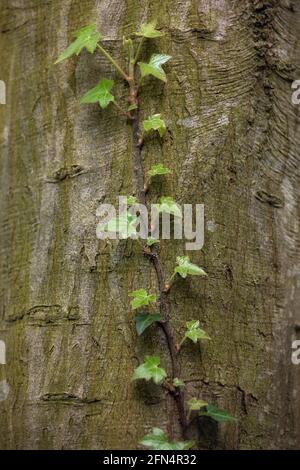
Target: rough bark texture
{"type": "Point", "coordinates": [232, 144]}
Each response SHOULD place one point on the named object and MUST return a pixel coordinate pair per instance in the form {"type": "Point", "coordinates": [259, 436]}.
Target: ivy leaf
{"type": "Point", "coordinates": [127, 42]}
{"type": "Point", "coordinates": [217, 414]}
{"type": "Point", "coordinates": [144, 320]}
{"type": "Point", "coordinates": [131, 200]}
{"type": "Point", "coordinates": [141, 298]}
{"type": "Point", "coordinates": [185, 267]}
{"type": "Point", "coordinates": [178, 383]}
{"type": "Point", "coordinates": [100, 94]}
{"type": "Point", "coordinates": [157, 440]}
{"type": "Point", "coordinates": [124, 224]}
{"type": "Point", "coordinates": [149, 370]}
{"type": "Point", "coordinates": [151, 241]}
{"type": "Point", "coordinates": [154, 67]}
{"type": "Point", "coordinates": [159, 169]}
{"type": "Point", "coordinates": [194, 332]}
{"type": "Point", "coordinates": [195, 404]}
{"type": "Point", "coordinates": [155, 123]}
{"type": "Point", "coordinates": [87, 38]}
{"type": "Point", "coordinates": [168, 205]}
{"type": "Point", "coordinates": [148, 30]}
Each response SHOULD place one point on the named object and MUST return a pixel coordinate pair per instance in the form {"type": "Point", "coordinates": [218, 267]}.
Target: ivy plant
{"type": "Point", "coordinates": [157, 440]}
{"type": "Point", "coordinates": [194, 333]}
{"type": "Point", "coordinates": [131, 200]}
{"type": "Point", "coordinates": [155, 123]}
{"type": "Point", "coordinates": [148, 30]}
{"type": "Point", "coordinates": [100, 94]}
{"type": "Point", "coordinates": [158, 169]}
{"type": "Point", "coordinates": [185, 267]}
{"type": "Point", "coordinates": [217, 414]}
{"type": "Point", "coordinates": [150, 370]}
{"type": "Point", "coordinates": [151, 241]}
{"type": "Point", "coordinates": [168, 205]}
{"type": "Point", "coordinates": [144, 320]}
{"type": "Point", "coordinates": [178, 382]}
{"type": "Point", "coordinates": [134, 73]}
{"type": "Point", "coordinates": [141, 298]}
{"type": "Point", "coordinates": [154, 66]}
{"type": "Point", "coordinates": [195, 404]}
{"type": "Point", "coordinates": [86, 38]}
{"type": "Point", "coordinates": [124, 224]}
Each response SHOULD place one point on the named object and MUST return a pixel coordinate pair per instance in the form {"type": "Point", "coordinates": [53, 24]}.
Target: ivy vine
{"type": "Point", "coordinates": [155, 307]}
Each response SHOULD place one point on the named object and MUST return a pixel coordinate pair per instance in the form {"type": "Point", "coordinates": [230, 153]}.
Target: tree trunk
{"type": "Point", "coordinates": [232, 143]}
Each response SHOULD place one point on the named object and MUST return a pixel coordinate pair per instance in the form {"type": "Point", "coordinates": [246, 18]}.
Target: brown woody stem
{"type": "Point", "coordinates": [153, 254]}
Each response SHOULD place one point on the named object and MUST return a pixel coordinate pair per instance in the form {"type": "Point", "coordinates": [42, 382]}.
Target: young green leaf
{"type": "Point", "coordinates": [158, 169]}
{"type": "Point", "coordinates": [185, 267]}
{"type": "Point", "coordinates": [124, 224]}
{"type": "Point", "coordinates": [152, 241]}
{"type": "Point", "coordinates": [131, 200]}
{"type": "Point", "coordinates": [217, 414]}
{"type": "Point", "coordinates": [149, 370]}
{"type": "Point", "coordinates": [87, 38]}
{"type": "Point", "coordinates": [178, 383]}
{"type": "Point", "coordinates": [100, 94]}
{"type": "Point", "coordinates": [155, 123]}
{"type": "Point", "coordinates": [141, 298]}
{"type": "Point", "coordinates": [154, 67]}
{"type": "Point", "coordinates": [127, 43]}
{"type": "Point", "coordinates": [195, 404]}
{"type": "Point", "coordinates": [144, 320]}
{"type": "Point", "coordinates": [168, 205]}
{"type": "Point", "coordinates": [194, 332]}
{"type": "Point", "coordinates": [148, 30]}
{"type": "Point", "coordinates": [157, 440]}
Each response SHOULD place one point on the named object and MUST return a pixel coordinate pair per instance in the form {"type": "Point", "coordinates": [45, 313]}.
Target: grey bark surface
{"type": "Point", "coordinates": [232, 143]}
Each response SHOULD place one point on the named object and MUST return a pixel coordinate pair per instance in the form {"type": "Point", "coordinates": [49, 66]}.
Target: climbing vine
{"type": "Point", "coordinates": [155, 307]}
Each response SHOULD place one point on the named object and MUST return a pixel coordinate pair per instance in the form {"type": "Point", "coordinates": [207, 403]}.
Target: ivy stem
{"type": "Point", "coordinates": [153, 252]}
{"type": "Point", "coordinates": [113, 62]}
{"type": "Point", "coordinates": [138, 50]}
{"type": "Point", "coordinates": [178, 347]}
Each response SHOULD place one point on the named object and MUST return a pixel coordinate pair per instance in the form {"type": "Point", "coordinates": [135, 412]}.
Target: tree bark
{"type": "Point", "coordinates": [232, 143]}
